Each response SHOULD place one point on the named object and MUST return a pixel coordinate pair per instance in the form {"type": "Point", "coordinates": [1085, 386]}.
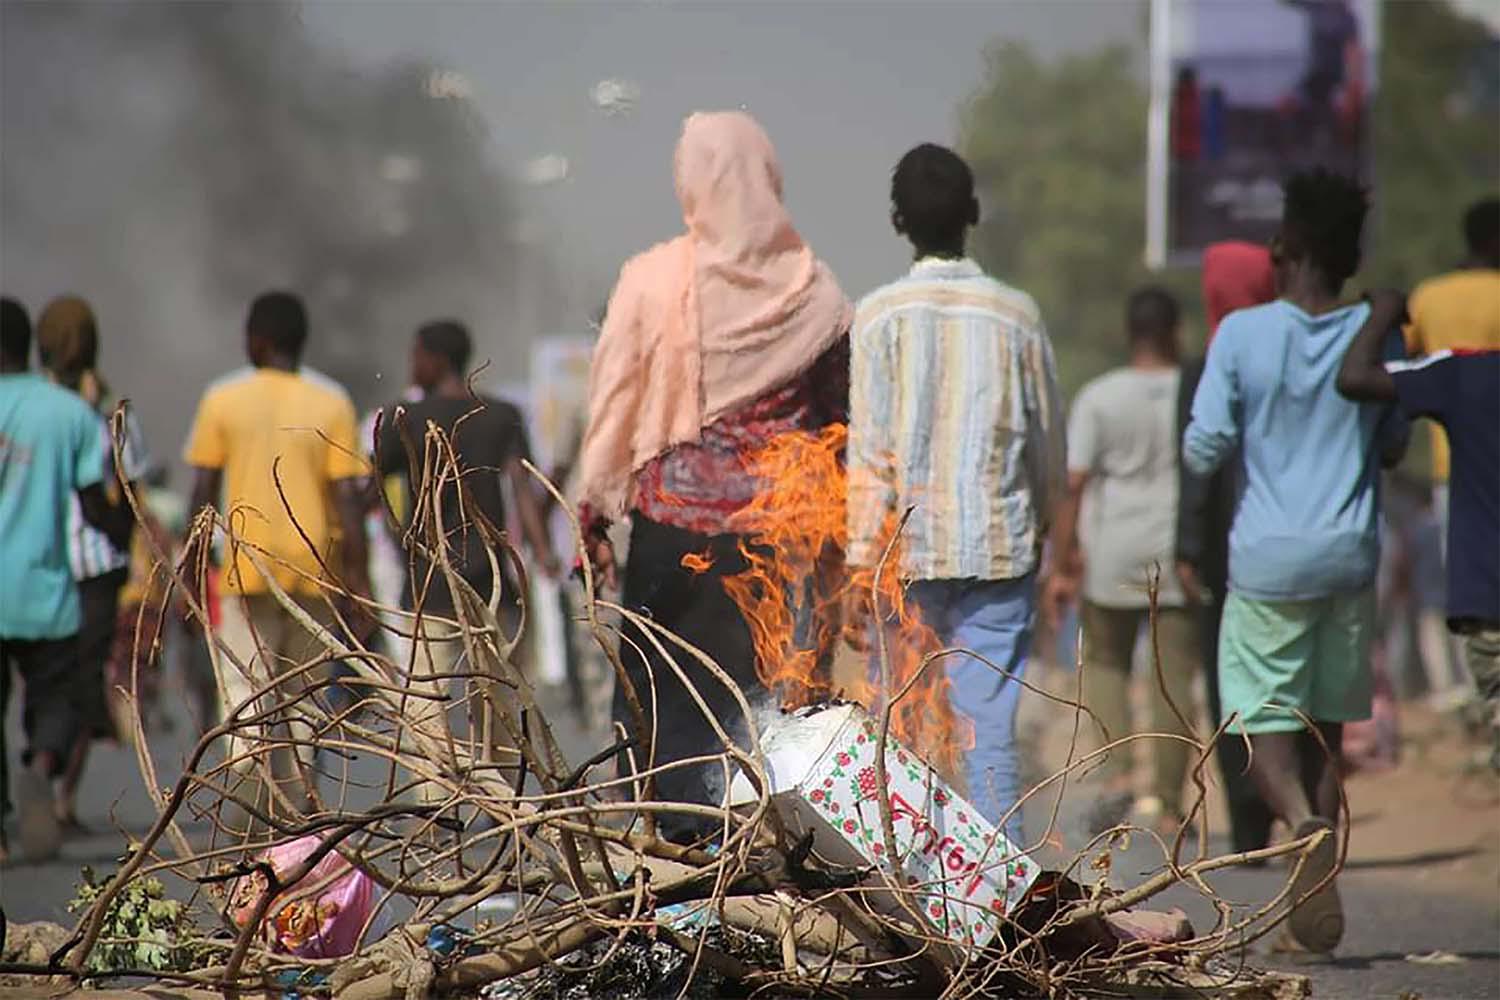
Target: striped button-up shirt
{"type": "Point", "coordinates": [90, 552]}
{"type": "Point", "coordinates": [954, 411]}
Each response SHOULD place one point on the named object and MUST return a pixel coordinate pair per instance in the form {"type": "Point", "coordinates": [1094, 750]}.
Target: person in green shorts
{"type": "Point", "coordinates": [1303, 548]}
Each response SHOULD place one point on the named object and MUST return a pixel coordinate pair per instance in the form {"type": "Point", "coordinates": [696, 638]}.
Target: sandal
{"type": "Point", "coordinates": [1317, 922]}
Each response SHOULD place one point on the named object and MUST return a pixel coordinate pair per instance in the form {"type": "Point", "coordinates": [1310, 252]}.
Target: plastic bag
{"type": "Point", "coordinates": [326, 924]}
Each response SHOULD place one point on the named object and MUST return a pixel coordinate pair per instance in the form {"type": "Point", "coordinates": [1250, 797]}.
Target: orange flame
{"type": "Point", "coordinates": [697, 563]}
{"type": "Point", "coordinates": [796, 586]}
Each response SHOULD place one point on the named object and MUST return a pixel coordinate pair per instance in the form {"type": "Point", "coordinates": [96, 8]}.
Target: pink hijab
{"type": "Point", "coordinates": [711, 320]}
{"type": "Point", "coordinates": [1236, 275]}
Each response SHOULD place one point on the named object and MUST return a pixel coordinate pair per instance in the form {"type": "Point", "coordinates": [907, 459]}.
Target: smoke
{"type": "Point", "coordinates": [169, 161]}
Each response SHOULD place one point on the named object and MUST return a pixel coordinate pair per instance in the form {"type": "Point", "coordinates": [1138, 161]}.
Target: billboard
{"type": "Point", "coordinates": [559, 396]}
{"type": "Point", "coordinates": [1245, 92]}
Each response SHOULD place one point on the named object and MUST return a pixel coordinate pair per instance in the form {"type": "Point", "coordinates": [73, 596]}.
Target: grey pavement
{"type": "Point", "coordinates": [1389, 913]}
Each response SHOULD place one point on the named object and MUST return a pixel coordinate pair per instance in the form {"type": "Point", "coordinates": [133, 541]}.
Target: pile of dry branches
{"type": "Point", "coordinates": [477, 800]}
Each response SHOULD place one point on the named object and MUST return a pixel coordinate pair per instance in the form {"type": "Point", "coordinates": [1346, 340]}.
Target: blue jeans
{"type": "Point", "coordinates": [993, 618]}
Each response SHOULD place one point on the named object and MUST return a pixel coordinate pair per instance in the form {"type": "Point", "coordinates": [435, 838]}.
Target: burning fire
{"type": "Point", "coordinates": [796, 587]}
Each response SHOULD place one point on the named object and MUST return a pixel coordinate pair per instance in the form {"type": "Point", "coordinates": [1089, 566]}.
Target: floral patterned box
{"type": "Point", "coordinates": [961, 870]}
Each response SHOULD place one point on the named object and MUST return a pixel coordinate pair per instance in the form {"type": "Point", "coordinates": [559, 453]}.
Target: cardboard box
{"type": "Point", "coordinates": [960, 869]}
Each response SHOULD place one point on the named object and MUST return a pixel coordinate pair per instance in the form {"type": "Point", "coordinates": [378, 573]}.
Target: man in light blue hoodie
{"type": "Point", "coordinates": [1303, 550]}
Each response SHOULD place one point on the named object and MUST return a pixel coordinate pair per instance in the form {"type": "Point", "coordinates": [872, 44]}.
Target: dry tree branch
{"type": "Point", "coordinates": [579, 848]}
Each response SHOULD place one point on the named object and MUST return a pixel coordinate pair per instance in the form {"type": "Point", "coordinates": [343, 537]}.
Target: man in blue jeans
{"type": "Point", "coordinates": [954, 412]}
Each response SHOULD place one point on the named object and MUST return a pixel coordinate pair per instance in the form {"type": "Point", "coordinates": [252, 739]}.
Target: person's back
{"type": "Point", "coordinates": [1295, 635]}
{"type": "Point", "coordinates": [486, 436]}
{"type": "Point", "coordinates": [481, 441]}
{"type": "Point", "coordinates": [1460, 310]}
{"type": "Point", "coordinates": [1457, 390]}
{"type": "Point", "coordinates": [1126, 421]}
{"type": "Point", "coordinates": [281, 438]}
{"type": "Point", "coordinates": [50, 449]}
{"type": "Point", "coordinates": [1118, 521]}
{"type": "Point", "coordinates": [1305, 521]}
{"type": "Point", "coordinates": [973, 369]}
{"type": "Point", "coordinates": [954, 413]}
{"type": "Point", "coordinates": [1457, 311]}
{"type": "Point", "coordinates": [50, 446]}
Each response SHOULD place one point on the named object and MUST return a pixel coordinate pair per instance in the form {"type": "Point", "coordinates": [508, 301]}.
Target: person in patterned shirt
{"type": "Point", "coordinates": [67, 336]}
{"type": "Point", "coordinates": [955, 414]}
{"type": "Point", "coordinates": [713, 344]}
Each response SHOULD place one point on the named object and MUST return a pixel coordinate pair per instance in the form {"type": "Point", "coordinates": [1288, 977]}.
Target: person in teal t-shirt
{"type": "Point", "coordinates": [50, 448]}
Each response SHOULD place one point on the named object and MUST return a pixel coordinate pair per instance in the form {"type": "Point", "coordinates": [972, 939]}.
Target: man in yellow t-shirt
{"type": "Point", "coordinates": [1460, 311]}
{"type": "Point", "coordinates": [276, 445]}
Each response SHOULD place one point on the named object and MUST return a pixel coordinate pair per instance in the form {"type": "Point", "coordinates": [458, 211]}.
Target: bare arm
{"type": "Point", "coordinates": [1064, 535]}
{"type": "Point", "coordinates": [205, 493]}
{"type": "Point", "coordinates": [1049, 461]}
{"type": "Point", "coordinates": [1065, 560]}
{"type": "Point", "coordinates": [206, 488]}
{"type": "Point", "coordinates": [533, 520]}
{"type": "Point", "coordinates": [350, 498]}
{"type": "Point", "coordinates": [1362, 376]}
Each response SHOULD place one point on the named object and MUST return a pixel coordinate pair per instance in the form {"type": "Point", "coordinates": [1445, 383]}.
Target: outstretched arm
{"type": "Point", "coordinates": [1363, 376]}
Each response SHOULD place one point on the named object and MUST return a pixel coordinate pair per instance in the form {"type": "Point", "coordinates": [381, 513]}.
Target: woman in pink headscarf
{"type": "Point", "coordinates": [714, 343]}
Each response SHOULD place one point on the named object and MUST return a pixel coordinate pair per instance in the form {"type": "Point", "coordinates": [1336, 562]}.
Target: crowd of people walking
{"type": "Point", "coordinates": [1232, 501]}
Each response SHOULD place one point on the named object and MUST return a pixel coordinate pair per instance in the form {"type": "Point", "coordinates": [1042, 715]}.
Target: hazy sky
{"type": "Point", "coordinates": [842, 87]}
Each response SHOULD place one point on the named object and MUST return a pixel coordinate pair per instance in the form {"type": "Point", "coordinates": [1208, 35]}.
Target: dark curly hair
{"type": "Point", "coordinates": [15, 332]}
{"type": "Point", "coordinates": [932, 195]}
{"type": "Point", "coordinates": [1322, 220]}
{"type": "Point", "coordinates": [448, 339]}
{"type": "Point", "coordinates": [280, 319]}
{"type": "Point", "coordinates": [1152, 316]}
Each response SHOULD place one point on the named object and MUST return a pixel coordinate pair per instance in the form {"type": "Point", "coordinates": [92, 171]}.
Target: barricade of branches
{"type": "Point", "coordinates": [438, 784]}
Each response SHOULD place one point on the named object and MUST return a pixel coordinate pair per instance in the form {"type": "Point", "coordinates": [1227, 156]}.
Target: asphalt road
{"type": "Point", "coordinates": [1389, 913]}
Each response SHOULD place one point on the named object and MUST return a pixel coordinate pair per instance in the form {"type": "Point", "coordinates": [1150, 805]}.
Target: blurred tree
{"type": "Point", "coordinates": [1058, 151]}
{"type": "Point", "coordinates": [1437, 137]}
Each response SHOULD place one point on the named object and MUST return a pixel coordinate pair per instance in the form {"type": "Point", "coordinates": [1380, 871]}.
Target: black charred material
{"type": "Point", "coordinates": [816, 881]}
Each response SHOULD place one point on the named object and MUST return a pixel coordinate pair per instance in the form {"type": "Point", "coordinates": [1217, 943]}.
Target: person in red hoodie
{"type": "Point", "coordinates": [1236, 275]}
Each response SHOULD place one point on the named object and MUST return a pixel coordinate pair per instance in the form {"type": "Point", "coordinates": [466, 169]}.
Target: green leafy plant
{"type": "Point", "coordinates": [143, 928]}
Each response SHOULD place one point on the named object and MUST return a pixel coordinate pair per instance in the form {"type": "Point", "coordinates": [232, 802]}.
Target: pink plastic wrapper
{"type": "Point", "coordinates": [327, 925]}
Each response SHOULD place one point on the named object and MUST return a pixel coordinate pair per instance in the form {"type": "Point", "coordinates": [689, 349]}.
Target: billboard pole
{"type": "Point", "coordinates": [1159, 49]}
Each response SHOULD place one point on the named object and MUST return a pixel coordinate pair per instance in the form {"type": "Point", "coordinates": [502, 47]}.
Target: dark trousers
{"type": "Point", "coordinates": [49, 713]}
{"type": "Point", "coordinates": [696, 608]}
{"type": "Point", "coordinates": [1249, 816]}
{"type": "Point", "coordinates": [100, 599]}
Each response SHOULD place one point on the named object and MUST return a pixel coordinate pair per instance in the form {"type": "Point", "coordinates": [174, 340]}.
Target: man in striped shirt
{"type": "Point", "coordinates": [954, 411]}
